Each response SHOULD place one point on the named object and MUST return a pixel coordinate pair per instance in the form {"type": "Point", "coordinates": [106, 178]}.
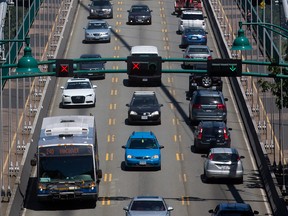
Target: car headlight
{"type": "Point", "coordinates": [129, 156]}
{"type": "Point", "coordinates": [133, 113]}
{"type": "Point", "coordinates": [155, 157]}
{"type": "Point", "coordinates": [91, 11]}
{"type": "Point", "coordinates": [155, 113]}
{"type": "Point", "coordinates": [106, 33]}
{"type": "Point", "coordinates": [89, 95]}
{"type": "Point", "coordinates": [108, 10]}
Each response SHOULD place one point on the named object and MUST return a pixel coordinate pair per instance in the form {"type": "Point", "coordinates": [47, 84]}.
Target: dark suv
{"type": "Point", "coordinates": [101, 9]}
{"type": "Point", "coordinates": [211, 134]}
{"type": "Point", "coordinates": [207, 105]}
{"type": "Point", "coordinates": [233, 209]}
{"type": "Point", "coordinates": [144, 108]}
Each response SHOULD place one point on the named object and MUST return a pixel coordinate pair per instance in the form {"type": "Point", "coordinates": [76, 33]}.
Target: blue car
{"type": "Point", "coordinates": [193, 36]}
{"type": "Point", "coordinates": [143, 150]}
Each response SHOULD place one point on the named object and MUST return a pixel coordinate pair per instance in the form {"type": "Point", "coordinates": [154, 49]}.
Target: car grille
{"type": "Point", "coordinates": [143, 157]}
{"type": "Point", "coordinates": [96, 34]}
{"type": "Point", "coordinates": [78, 99]}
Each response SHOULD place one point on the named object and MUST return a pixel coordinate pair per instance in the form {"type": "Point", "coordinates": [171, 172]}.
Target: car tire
{"type": "Point", "coordinates": [206, 81]}
{"type": "Point", "coordinates": [205, 178]}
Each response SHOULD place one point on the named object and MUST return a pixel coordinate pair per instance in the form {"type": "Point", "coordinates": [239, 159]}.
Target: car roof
{"type": "Point", "coordinates": [223, 150]}
{"type": "Point", "coordinates": [90, 56]}
{"type": "Point", "coordinates": [235, 206]}
{"type": "Point", "coordinates": [208, 92]}
{"type": "Point", "coordinates": [78, 79]}
{"type": "Point", "coordinates": [139, 5]}
{"type": "Point", "coordinates": [148, 198]}
{"type": "Point", "coordinates": [144, 93]}
{"type": "Point", "coordinates": [142, 134]}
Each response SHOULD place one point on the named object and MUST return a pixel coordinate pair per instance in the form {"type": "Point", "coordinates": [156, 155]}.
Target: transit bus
{"type": "Point", "coordinates": [67, 159]}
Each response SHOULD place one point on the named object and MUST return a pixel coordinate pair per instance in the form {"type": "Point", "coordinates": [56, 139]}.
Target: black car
{"type": "Point", "coordinates": [144, 108]}
{"type": "Point", "coordinates": [233, 209]}
{"type": "Point", "coordinates": [91, 65]}
{"type": "Point", "coordinates": [139, 14]}
{"type": "Point", "coordinates": [211, 134]}
{"type": "Point", "coordinates": [101, 9]}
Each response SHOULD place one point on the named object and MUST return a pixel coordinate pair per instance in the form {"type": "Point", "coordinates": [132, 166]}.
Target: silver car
{"type": "Point", "coordinates": [222, 163]}
{"type": "Point", "coordinates": [147, 206]}
{"type": "Point", "coordinates": [97, 30]}
{"type": "Point", "coordinates": [197, 52]}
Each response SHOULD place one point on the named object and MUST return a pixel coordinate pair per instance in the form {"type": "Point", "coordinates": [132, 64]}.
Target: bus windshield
{"type": "Point", "coordinates": [68, 168]}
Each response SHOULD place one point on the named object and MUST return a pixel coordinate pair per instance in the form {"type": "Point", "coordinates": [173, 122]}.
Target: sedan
{"type": "Point", "coordinates": [101, 9]}
{"type": "Point", "coordinates": [139, 14]}
{"type": "Point", "coordinates": [97, 30]}
{"type": "Point", "coordinates": [197, 52]}
{"type": "Point", "coordinates": [147, 206]}
{"type": "Point", "coordinates": [223, 163]}
{"type": "Point", "coordinates": [78, 92]}
{"type": "Point", "coordinates": [193, 36]}
{"type": "Point", "coordinates": [142, 150]}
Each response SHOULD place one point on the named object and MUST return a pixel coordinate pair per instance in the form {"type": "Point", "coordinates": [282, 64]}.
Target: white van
{"type": "Point", "coordinates": [144, 50]}
{"type": "Point", "coordinates": [144, 65]}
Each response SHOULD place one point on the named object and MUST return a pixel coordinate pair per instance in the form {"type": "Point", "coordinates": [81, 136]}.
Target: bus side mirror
{"type": "Point", "coordinates": [33, 162]}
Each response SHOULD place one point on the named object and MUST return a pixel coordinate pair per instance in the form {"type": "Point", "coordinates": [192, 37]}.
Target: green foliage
{"type": "Point", "coordinates": [275, 86]}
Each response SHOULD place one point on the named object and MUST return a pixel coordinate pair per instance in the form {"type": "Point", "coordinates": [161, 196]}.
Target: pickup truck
{"type": "Point", "coordinates": [191, 18]}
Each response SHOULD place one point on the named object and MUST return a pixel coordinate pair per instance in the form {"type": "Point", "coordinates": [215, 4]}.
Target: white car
{"type": "Point", "coordinates": [78, 91]}
{"type": "Point", "coordinates": [191, 18]}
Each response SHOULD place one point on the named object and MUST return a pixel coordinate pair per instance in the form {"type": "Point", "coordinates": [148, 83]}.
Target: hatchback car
{"type": "Point", "coordinates": [193, 36]}
{"type": "Point", "coordinates": [144, 108]}
{"type": "Point", "coordinates": [91, 65]}
{"type": "Point", "coordinates": [101, 9]}
{"type": "Point", "coordinates": [142, 150]}
{"type": "Point", "coordinates": [233, 209]}
{"type": "Point", "coordinates": [78, 91]}
{"type": "Point", "coordinates": [210, 134]}
{"type": "Point", "coordinates": [97, 30]}
{"type": "Point", "coordinates": [148, 205]}
{"type": "Point", "coordinates": [207, 105]}
{"type": "Point", "coordinates": [196, 52]}
{"type": "Point", "coordinates": [223, 163]}
{"type": "Point", "coordinates": [139, 14]}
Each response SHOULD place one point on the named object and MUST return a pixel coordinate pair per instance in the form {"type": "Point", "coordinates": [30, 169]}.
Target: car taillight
{"type": "Point", "coordinates": [204, 36]}
{"type": "Point", "coordinates": [184, 36]}
{"type": "Point", "coordinates": [209, 57]}
{"type": "Point", "coordinates": [211, 156]}
{"type": "Point", "coordinates": [187, 56]}
{"type": "Point", "coordinates": [221, 107]}
{"type": "Point", "coordinates": [226, 137]}
{"type": "Point", "coordinates": [196, 106]}
{"type": "Point", "coordinates": [200, 134]}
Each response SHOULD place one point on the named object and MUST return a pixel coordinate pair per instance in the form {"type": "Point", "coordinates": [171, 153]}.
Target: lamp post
{"type": "Point", "coordinates": [242, 43]}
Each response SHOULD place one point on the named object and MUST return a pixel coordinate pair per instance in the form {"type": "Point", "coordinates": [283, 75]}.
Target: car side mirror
{"type": "Point", "coordinates": [161, 146]}
{"type": "Point", "coordinates": [161, 105]}
{"type": "Point", "coordinates": [128, 10]}
{"type": "Point", "coordinates": [124, 147]}
{"type": "Point", "coordinates": [242, 157]}
{"type": "Point", "coordinates": [125, 208]}
{"type": "Point", "coordinates": [211, 211]}
{"type": "Point", "coordinates": [109, 27]}
{"type": "Point", "coordinates": [127, 105]}
{"type": "Point", "coordinates": [151, 10]}
{"type": "Point", "coordinates": [204, 156]}
{"type": "Point", "coordinates": [94, 86]}
{"type": "Point", "coordinates": [62, 87]}
{"type": "Point", "coordinates": [206, 32]}
{"type": "Point", "coordinates": [256, 212]}
{"type": "Point", "coordinates": [226, 99]}
{"type": "Point", "coordinates": [170, 208]}
{"type": "Point", "coordinates": [230, 129]}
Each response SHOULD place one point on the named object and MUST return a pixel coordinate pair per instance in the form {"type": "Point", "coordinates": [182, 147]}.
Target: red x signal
{"type": "Point", "coordinates": [135, 66]}
{"type": "Point", "coordinates": [64, 68]}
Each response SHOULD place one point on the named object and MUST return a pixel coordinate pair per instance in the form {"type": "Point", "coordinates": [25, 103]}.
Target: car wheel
{"type": "Point", "coordinates": [206, 81]}
{"type": "Point", "coordinates": [206, 179]}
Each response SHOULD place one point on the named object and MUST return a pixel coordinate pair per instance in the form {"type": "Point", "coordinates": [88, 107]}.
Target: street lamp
{"type": "Point", "coordinates": [242, 42]}
{"type": "Point", "coordinates": [26, 64]}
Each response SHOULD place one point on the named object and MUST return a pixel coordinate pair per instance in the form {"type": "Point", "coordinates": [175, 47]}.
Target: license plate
{"type": "Point", "coordinates": [97, 37]}
{"type": "Point", "coordinates": [194, 38]}
{"type": "Point", "coordinates": [226, 167]}
{"type": "Point", "coordinates": [142, 162]}
{"type": "Point", "coordinates": [144, 79]}
{"type": "Point", "coordinates": [144, 117]}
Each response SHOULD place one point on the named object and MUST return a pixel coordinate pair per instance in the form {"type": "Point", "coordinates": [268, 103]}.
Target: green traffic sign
{"type": "Point", "coordinates": [224, 67]}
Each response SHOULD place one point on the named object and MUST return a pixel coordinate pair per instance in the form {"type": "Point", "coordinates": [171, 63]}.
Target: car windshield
{"type": "Point", "coordinates": [139, 9]}
{"type": "Point", "coordinates": [143, 143]}
{"type": "Point", "coordinates": [225, 157]}
{"type": "Point", "coordinates": [97, 26]}
{"type": "Point", "coordinates": [212, 132]}
{"type": "Point", "coordinates": [101, 3]}
{"type": "Point", "coordinates": [198, 50]}
{"type": "Point", "coordinates": [147, 206]}
{"type": "Point", "coordinates": [78, 85]}
{"type": "Point", "coordinates": [192, 16]}
{"type": "Point", "coordinates": [143, 101]}
{"type": "Point", "coordinates": [208, 100]}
